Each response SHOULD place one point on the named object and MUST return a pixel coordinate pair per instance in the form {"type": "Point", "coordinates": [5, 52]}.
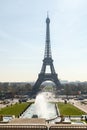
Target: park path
{"type": "Point", "coordinates": [10, 102]}
{"type": "Point", "coordinates": [81, 106]}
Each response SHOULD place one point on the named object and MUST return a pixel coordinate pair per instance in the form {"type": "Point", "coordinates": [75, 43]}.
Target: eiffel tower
{"type": "Point", "coordinates": [47, 61]}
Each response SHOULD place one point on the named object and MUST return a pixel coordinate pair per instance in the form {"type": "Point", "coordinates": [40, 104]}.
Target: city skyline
{"type": "Point", "coordinates": [23, 33]}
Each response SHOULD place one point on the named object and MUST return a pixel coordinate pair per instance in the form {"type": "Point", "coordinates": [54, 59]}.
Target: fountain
{"type": "Point", "coordinates": [41, 108]}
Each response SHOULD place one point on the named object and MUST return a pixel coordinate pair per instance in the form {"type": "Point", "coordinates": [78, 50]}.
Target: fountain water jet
{"type": "Point", "coordinates": [42, 108]}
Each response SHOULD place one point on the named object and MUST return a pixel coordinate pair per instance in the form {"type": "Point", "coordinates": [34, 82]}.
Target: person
{"type": "Point", "coordinates": [85, 118]}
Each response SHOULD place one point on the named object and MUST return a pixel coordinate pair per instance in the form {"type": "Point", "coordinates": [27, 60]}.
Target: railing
{"type": "Point", "coordinates": [68, 127]}
{"type": "Point", "coordinates": [42, 127]}
{"type": "Point", "coordinates": [23, 127]}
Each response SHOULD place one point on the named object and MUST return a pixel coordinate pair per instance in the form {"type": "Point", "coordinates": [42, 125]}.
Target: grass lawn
{"type": "Point", "coordinates": [16, 109]}
{"type": "Point", "coordinates": [69, 109]}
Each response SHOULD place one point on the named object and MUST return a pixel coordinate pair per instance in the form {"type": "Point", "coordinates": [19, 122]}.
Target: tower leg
{"type": "Point", "coordinates": [45, 77]}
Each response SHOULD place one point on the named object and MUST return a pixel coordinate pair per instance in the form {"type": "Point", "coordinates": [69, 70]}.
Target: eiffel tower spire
{"type": "Point", "coordinates": [47, 45]}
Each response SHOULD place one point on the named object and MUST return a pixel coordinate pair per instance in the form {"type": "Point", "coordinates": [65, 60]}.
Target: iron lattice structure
{"type": "Point", "coordinates": [47, 61]}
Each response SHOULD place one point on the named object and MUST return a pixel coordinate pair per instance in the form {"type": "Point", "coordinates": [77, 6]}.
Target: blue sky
{"type": "Point", "coordinates": [22, 38]}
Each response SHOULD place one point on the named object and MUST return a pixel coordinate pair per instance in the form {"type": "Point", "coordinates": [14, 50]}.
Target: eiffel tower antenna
{"type": "Point", "coordinates": [47, 61]}
{"type": "Point", "coordinates": [47, 14]}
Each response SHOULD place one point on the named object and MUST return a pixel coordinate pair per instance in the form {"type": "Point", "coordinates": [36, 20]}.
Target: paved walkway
{"type": "Point", "coordinates": [10, 102]}
{"type": "Point", "coordinates": [81, 106]}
